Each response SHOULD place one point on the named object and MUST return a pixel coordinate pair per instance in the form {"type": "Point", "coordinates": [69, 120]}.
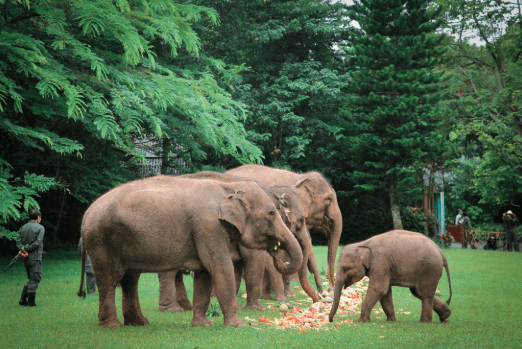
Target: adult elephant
{"type": "Point", "coordinates": [254, 263]}
{"type": "Point", "coordinates": [316, 196]}
{"type": "Point", "coordinates": [156, 226]}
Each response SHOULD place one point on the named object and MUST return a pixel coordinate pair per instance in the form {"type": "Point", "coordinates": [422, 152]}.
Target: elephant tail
{"type": "Point", "coordinates": [445, 263]}
{"type": "Point", "coordinates": [81, 292]}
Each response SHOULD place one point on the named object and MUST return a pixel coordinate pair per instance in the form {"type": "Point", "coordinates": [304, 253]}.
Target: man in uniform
{"type": "Point", "coordinates": [91, 282]}
{"type": "Point", "coordinates": [510, 227]}
{"type": "Point", "coordinates": [29, 242]}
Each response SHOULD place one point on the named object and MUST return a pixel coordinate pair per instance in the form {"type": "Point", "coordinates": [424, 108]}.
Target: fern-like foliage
{"type": "Point", "coordinates": [77, 75]}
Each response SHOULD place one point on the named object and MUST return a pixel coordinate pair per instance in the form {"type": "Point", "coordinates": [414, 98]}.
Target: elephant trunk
{"type": "Point", "coordinates": [312, 266]}
{"type": "Point", "coordinates": [289, 244]}
{"type": "Point", "coordinates": [303, 272]}
{"type": "Point", "coordinates": [333, 242]}
{"type": "Point", "coordinates": [337, 296]}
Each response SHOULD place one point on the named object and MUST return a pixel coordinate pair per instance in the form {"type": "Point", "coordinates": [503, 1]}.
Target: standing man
{"type": "Point", "coordinates": [29, 242]}
{"type": "Point", "coordinates": [510, 227]}
{"type": "Point", "coordinates": [466, 237]}
{"type": "Point", "coordinates": [91, 281]}
{"type": "Point", "coordinates": [459, 217]}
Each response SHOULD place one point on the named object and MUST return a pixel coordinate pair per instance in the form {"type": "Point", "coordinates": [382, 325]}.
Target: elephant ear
{"type": "Point", "coordinates": [233, 210]}
{"type": "Point", "coordinates": [366, 256]}
{"type": "Point", "coordinates": [282, 200]}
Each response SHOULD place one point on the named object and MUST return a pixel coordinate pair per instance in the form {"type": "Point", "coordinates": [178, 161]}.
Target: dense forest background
{"type": "Point", "coordinates": [393, 101]}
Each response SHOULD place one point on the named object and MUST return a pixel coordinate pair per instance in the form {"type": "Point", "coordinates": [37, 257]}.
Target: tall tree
{"type": "Point", "coordinates": [81, 80]}
{"type": "Point", "coordinates": [486, 101]}
{"type": "Point", "coordinates": [391, 115]}
{"type": "Point", "coordinates": [296, 75]}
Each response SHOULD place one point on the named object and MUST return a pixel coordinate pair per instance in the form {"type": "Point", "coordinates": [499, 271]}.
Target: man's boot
{"type": "Point", "coordinates": [30, 299]}
{"type": "Point", "coordinates": [23, 299]}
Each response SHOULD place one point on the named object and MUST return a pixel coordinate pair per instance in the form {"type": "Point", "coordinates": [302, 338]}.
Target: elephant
{"type": "Point", "coordinates": [151, 226]}
{"type": "Point", "coordinates": [255, 263]}
{"type": "Point", "coordinates": [395, 258]}
{"type": "Point", "coordinates": [316, 195]}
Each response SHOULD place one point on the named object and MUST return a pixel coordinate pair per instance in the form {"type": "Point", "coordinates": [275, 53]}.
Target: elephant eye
{"type": "Point", "coordinates": [272, 213]}
{"type": "Point", "coordinates": [327, 201]}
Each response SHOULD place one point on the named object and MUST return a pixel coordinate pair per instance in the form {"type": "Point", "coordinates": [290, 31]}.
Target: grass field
{"type": "Point", "coordinates": [486, 305]}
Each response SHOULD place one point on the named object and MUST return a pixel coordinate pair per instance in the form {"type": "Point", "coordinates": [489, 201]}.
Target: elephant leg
{"type": "Point", "coordinates": [266, 292]}
{"type": "Point", "coordinates": [168, 292]}
{"type": "Point", "coordinates": [286, 286]}
{"type": "Point", "coordinates": [373, 295]}
{"type": "Point", "coordinates": [222, 275]}
{"type": "Point", "coordinates": [238, 272]}
{"type": "Point", "coordinates": [107, 276]}
{"type": "Point", "coordinates": [427, 304]}
{"type": "Point", "coordinates": [202, 289]}
{"type": "Point", "coordinates": [181, 292]}
{"type": "Point", "coordinates": [130, 301]}
{"type": "Point", "coordinates": [254, 272]}
{"type": "Point", "coordinates": [441, 309]}
{"type": "Point", "coordinates": [387, 305]}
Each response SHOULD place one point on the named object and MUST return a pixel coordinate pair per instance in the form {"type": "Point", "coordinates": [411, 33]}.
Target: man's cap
{"type": "Point", "coordinates": [509, 212]}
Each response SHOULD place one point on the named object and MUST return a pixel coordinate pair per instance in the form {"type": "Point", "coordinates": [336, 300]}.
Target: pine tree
{"type": "Point", "coordinates": [391, 116]}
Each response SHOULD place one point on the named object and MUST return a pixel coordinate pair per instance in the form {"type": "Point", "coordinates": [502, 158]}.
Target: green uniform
{"type": "Point", "coordinates": [510, 227]}
{"type": "Point", "coordinates": [91, 282]}
{"type": "Point", "coordinates": [30, 239]}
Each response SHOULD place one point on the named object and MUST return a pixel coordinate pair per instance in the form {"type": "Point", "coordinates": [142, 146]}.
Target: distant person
{"type": "Point", "coordinates": [29, 242]}
{"type": "Point", "coordinates": [466, 231]}
{"type": "Point", "coordinates": [459, 217]}
{"type": "Point", "coordinates": [91, 281]}
{"type": "Point", "coordinates": [491, 243]}
{"type": "Point", "coordinates": [510, 227]}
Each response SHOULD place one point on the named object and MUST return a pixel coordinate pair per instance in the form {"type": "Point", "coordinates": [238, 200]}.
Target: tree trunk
{"type": "Point", "coordinates": [424, 202]}
{"type": "Point", "coordinates": [396, 213]}
{"type": "Point", "coordinates": [165, 156]}
{"type": "Point", "coordinates": [54, 234]}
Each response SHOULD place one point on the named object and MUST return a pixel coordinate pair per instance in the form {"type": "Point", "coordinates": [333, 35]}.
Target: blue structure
{"type": "Point", "coordinates": [440, 215]}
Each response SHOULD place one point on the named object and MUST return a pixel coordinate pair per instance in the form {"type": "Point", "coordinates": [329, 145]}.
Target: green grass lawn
{"type": "Point", "coordinates": [487, 313]}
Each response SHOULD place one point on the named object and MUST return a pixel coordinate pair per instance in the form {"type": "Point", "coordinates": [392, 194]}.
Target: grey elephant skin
{"type": "Point", "coordinates": [256, 264]}
{"type": "Point", "coordinates": [316, 195]}
{"type": "Point", "coordinates": [150, 226]}
{"type": "Point", "coordinates": [396, 258]}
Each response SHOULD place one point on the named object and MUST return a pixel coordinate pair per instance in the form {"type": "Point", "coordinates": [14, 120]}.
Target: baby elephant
{"type": "Point", "coordinates": [396, 258]}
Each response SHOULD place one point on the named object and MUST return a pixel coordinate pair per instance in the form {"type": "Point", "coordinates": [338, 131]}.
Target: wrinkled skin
{"type": "Point", "coordinates": [151, 226]}
{"type": "Point", "coordinates": [255, 264]}
{"type": "Point", "coordinates": [316, 196]}
{"type": "Point", "coordinates": [396, 258]}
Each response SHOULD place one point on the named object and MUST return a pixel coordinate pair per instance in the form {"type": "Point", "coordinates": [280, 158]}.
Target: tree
{"type": "Point", "coordinates": [486, 95]}
{"type": "Point", "coordinates": [81, 80]}
{"type": "Point", "coordinates": [296, 75]}
{"type": "Point", "coordinates": [391, 116]}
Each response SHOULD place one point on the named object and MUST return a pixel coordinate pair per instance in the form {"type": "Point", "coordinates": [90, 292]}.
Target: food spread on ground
{"type": "Point", "coordinates": [303, 316]}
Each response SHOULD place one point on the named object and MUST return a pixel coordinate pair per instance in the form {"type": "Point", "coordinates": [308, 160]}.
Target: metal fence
{"type": "Point", "coordinates": [151, 147]}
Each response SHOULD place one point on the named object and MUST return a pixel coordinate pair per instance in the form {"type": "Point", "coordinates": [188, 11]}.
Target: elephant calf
{"type": "Point", "coordinates": [396, 258]}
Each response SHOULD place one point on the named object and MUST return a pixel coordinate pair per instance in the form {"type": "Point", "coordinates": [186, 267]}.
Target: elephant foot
{"type": "Point", "coordinates": [444, 316]}
{"type": "Point", "coordinates": [289, 293]}
{"type": "Point", "coordinates": [233, 322]}
{"type": "Point", "coordinates": [110, 324]}
{"type": "Point", "coordinates": [172, 308]}
{"type": "Point", "coordinates": [186, 306]}
{"type": "Point", "coordinates": [255, 306]}
{"type": "Point", "coordinates": [239, 306]}
{"type": "Point", "coordinates": [267, 296]}
{"type": "Point", "coordinates": [361, 319]}
{"type": "Point", "coordinates": [391, 319]}
{"type": "Point", "coordinates": [203, 321]}
{"type": "Point", "coordinates": [137, 321]}
{"type": "Point", "coordinates": [281, 298]}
